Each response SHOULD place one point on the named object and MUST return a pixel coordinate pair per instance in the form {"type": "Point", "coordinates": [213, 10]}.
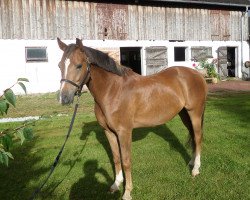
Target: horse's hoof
{"type": "Point", "coordinates": [126, 196]}
{"type": "Point", "coordinates": [195, 172]}
{"type": "Point", "coordinates": [113, 188]}
{"type": "Point", "coordinates": [191, 162]}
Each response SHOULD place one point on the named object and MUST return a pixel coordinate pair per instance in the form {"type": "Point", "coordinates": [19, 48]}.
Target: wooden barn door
{"type": "Point", "coordinates": [222, 62]}
{"type": "Point", "coordinates": [156, 59]}
{"type": "Point", "coordinates": [112, 21]}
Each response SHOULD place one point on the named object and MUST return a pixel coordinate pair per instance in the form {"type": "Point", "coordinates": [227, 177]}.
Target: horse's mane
{"type": "Point", "coordinates": [100, 59]}
{"type": "Point", "coordinates": [104, 61]}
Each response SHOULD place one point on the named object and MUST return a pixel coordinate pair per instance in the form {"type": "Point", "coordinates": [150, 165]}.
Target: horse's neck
{"type": "Point", "coordinates": [102, 83]}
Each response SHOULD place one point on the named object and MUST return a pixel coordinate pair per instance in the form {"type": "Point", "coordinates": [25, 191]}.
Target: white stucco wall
{"type": "Point", "coordinates": [45, 76]}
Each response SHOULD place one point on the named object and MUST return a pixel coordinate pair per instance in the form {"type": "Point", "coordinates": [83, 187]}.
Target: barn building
{"type": "Point", "coordinates": [146, 35]}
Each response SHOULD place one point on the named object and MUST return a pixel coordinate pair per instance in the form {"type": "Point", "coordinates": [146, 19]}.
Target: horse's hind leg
{"type": "Point", "coordinates": [187, 122]}
{"type": "Point", "coordinates": [196, 118]}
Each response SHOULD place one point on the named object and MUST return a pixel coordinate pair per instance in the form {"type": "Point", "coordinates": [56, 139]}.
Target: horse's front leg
{"type": "Point", "coordinates": [125, 139]}
{"type": "Point", "coordinates": [112, 138]}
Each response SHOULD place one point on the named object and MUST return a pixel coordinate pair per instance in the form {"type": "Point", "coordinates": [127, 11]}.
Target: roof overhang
{"type": "Point", "coordinates": [216, 4]}
{"type": "Point", "coordinates": [203, 2]}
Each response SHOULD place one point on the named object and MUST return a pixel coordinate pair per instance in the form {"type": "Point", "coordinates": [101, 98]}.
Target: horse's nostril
{"type": "Point", "coordinates": [66, 99]}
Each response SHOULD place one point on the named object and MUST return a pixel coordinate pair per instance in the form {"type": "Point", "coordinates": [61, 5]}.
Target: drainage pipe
{"type": "Point", "coordinates": [243, 73]}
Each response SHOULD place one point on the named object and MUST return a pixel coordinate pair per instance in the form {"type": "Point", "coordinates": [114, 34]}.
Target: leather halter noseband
{"type": "Point", "coordinates": [84, 81]}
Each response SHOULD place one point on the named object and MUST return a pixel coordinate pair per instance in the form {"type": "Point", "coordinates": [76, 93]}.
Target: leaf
{"type": "Point", "coordinates": [10, 97]}
{"type": "Point", "coordinates": [7, 141]}
{"type": "Point", "coordinates": [23, 87]}
{"type": "Point", "coordinates": [21, 136]}
{"type": "Point", "coordinates": [4, 159]}
{"type": "Point", "coordinates": [1, 157]}
{"type": "Point", "coordinates": [9, 155]}
{"type": "Point", "coordinates": [28, 133]}
{"type": "Point", "coordinates": [3, 107]}
{"type": "Point", "coordinates": [6, 111]}
{"type": "Point", "coordinates": [23, 79]}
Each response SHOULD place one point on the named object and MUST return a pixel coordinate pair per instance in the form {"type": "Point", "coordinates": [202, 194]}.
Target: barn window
{"type": "Point", "coordinates": [156, 59]}
{"type": "Point", "coordinates": [201, 53]}
{"type": "Point", "coordinates": [36, 54]}
{"type": "Point", "coordinates": [180, 54]}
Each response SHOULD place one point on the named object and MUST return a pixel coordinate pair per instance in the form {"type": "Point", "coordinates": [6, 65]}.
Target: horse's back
{"type": "Point", "coordinates": [187, 78]}
{"type": "Point", "coordinates": [180, 77]}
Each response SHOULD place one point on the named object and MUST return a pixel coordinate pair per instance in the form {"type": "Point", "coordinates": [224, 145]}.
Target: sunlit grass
{"type": "Point", "coordinates": [159, 154]}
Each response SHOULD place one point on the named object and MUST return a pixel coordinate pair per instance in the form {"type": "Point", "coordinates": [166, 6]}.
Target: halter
{"type": "Point", "coordinates": [79, 87]}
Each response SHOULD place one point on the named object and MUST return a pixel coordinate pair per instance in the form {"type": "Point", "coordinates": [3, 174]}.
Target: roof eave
{"type": "Point", "coordinates": [202, 3]}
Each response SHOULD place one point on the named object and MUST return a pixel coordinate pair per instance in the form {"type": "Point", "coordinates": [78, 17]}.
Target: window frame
{"type": "Point", "coordinates": [185, 54]}
{"type": "Point", "coordinates": [199, 53]}
{"type": "Point", "coordinates": [36, 59]}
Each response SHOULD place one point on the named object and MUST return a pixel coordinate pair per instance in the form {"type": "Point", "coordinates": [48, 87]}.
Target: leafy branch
{"type": "Point", "coordinates": [210, 67]}
{"type": "Point", "coordinates": [23, 132]}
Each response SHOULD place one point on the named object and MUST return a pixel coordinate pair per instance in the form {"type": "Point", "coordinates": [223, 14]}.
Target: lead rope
{"type": "Point", "coordinates": [59, 154]}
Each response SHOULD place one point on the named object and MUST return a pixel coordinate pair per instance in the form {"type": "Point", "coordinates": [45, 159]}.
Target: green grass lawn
{"type": "Point", "coordinates": [159, 154]}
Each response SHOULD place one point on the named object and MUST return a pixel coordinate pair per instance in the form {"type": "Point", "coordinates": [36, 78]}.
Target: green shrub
{"type": "Point", "coordinates": [210, 67]}
{"type": "Point", "coordinates": [7, 99]}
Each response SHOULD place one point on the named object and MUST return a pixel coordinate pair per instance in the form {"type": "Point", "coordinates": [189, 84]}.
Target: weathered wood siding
{"type": "Point", "coordinates": [48, 19]}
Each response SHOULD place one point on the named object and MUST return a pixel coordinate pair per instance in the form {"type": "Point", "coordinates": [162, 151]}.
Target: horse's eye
{"type": "Point", "coordinates": [79, 66]}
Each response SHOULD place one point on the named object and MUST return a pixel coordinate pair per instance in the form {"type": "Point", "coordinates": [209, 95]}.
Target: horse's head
{"type": "Point", "coordinates": [74, 70]}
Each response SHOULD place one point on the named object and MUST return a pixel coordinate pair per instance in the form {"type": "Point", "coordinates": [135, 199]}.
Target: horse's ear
{"type": "Point", "coordinates": [61, 45]}
{"type": "Point", "coordinates": [79, 42]}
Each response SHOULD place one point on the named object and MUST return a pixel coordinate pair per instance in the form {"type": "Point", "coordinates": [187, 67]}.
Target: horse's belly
{"type": "Point", "coordinates": [155, 116]}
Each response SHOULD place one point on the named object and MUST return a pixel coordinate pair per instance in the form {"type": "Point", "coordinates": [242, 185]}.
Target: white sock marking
{"type": "Point", "coordinates": [119, 177]}
{"type": "Point", "coordinates": [197, 164]}
{"type": "Point", "coordinates": [118, 180]}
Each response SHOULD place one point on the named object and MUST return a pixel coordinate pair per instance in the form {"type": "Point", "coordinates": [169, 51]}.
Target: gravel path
{"type": "Point", "coordinates": [232, 85]}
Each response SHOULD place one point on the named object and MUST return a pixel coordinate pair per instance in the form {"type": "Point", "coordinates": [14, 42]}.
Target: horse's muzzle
{"type": "Point", "coordinates": [66, 98]}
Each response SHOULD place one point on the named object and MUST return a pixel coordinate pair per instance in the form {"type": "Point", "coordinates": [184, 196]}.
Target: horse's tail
{"type": "Point", "coordinates": [190, 141]}
{"type": "Point", "coordinates": [202, 123]}
{"type": "Point", "coordinates": [202, 118]}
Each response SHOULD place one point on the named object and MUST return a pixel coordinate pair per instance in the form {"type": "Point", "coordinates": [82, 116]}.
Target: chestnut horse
{"type": "Point", "coordinates": [125, 100]}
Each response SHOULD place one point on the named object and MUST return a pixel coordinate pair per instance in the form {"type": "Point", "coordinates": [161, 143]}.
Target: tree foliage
{"type": "Point", "coordinates": [7, 136]}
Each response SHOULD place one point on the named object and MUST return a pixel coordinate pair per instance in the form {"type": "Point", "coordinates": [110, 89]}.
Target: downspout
{"type": "Point", "coordinates": [243, 73]}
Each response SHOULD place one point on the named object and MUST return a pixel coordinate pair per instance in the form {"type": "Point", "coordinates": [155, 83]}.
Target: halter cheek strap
{"type": "Point", "coordinates": [84, 81]}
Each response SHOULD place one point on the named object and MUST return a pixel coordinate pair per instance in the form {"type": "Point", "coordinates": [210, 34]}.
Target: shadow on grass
{"type": "Point", "coordinates": [47, 192]}
{"type": "Point", "coordinates": [88, 187]}
{"type": "Point", "coordinates": [138, 134]}
{"type": "Point", "coordinates": [16, 178]}
{"type": "Point", "coordinates": [164, 132]}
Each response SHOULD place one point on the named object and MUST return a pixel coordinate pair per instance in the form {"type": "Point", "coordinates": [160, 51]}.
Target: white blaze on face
{"type": "Point", "coordinates": [66, 69]}
{"type": "Point", "coordinates": [66, 64]}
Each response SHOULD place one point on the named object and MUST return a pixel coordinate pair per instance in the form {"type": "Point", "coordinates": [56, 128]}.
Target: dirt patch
{"type": "Point", "coordinates": [232, 85]}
